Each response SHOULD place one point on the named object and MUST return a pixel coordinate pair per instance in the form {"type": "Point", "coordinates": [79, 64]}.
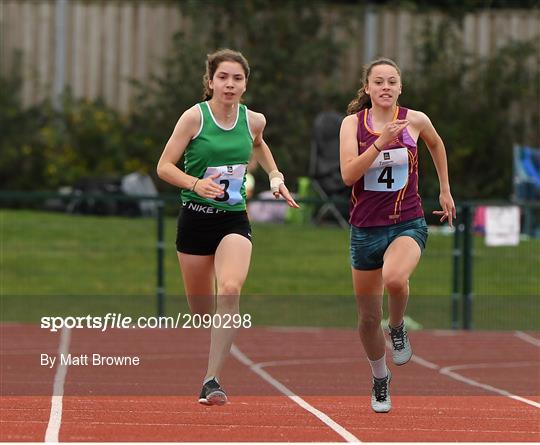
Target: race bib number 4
{"type": "Point", "coordinates": [231, 180]}
{"type": "Point", "coordinates": [389, 172]}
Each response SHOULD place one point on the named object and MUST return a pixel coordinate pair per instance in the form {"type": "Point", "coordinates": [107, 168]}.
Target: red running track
{"type": "Point", "coordinates": [460, 386]}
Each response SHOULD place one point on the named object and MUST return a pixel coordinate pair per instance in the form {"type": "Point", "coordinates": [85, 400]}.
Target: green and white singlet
{"type": "Point", "coordinates": [227, 151]}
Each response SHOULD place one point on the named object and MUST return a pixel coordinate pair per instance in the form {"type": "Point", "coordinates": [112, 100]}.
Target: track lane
{"type": "Point", "coordinates": [325, 366]}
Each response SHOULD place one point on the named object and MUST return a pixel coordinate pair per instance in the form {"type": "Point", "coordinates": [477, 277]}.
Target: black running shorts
{"type": "Point", "coordinates": [201, 228]}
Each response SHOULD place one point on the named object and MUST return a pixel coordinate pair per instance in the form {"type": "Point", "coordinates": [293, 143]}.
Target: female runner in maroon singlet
{"type": "Point", "coordinates": [379, 159]}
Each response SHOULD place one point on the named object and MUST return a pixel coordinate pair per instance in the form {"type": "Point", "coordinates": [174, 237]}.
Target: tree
{"type": "Point", "coordinates": [292, 57]}
{"type": "Point", "coordinates": [481, 108]}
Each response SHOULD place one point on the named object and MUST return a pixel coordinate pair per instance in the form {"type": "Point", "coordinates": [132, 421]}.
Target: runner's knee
{"type": "Point", "coordinates": [228, 299]}
{"type": "Point", "coordinates": [229, 287]}
{"type": "Point", "coordinates": [395, 282]}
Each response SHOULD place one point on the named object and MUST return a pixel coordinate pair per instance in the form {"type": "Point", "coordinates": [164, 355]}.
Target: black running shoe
{"type": "Point", "coordinates": [212, 394]}
{"type": "Point", "coordinates": [401, 346]}
{"type": "Point", "coordinates": [380, 395]}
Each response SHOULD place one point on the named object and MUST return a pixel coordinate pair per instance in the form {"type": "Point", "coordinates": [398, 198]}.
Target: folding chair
{"type": "Point", "coordinates": [324, 168]}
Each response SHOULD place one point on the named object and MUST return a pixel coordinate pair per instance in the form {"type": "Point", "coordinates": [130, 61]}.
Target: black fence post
{"type": "Point", "coordinates": [160, 245]}
{"type": "Point", "coordinates": [457, 255]}
{"type": "Point", "coordinates": [467, 267]}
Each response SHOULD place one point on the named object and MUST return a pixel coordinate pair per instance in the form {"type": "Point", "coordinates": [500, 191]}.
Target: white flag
{"type": "Point", "coordinates": [502, 226]}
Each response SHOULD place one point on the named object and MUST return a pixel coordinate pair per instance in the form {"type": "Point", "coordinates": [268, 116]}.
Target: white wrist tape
{"type": "Point", "coordinates": [276, 179]}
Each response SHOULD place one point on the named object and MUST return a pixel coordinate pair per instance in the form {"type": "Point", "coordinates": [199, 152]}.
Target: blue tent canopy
{"type": "Point", "coordinates": [526, 173]}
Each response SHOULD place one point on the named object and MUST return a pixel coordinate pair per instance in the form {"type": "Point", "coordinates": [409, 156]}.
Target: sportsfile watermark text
{"type": "Point", "coordinates": [119, 321]}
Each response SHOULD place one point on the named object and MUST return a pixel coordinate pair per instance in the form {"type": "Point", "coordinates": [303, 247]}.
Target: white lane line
{"type": "Point", "coordinates": [273, 427]}
{"type": "Point", "coordinates": [424, 362]}
{"type": "Point", "coordinates": [308, 361]}
{"type": "Point", "coordinates": [55, 418]}
{"type": "Point", "coordinates": [417, 359]}
{"type": "Point", "coordinates": [257, 369]}
{"type": "Point", "coordinates": [528, 338]}
{"type": "Point", "coordinates": [493, 365]}
{"type": "Point", "coordinates": [448, 372]}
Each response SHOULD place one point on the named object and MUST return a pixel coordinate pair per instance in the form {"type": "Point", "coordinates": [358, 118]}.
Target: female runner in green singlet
{"type": "Point", "coordinates": [217, 138]}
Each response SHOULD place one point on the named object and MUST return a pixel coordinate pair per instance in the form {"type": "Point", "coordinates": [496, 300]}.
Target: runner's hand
{"type": "Point", "coordinates": [207, 188]}
{"type": "Point", "coordinates": [283, 191]}
{"type": "Point", "coordinates": [391, 131]}
{"type": "Point", "coordinates": [448, 211]}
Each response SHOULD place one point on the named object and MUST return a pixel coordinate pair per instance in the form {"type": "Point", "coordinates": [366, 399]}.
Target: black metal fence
{"type": "Point", "coordinates": [468, 284]}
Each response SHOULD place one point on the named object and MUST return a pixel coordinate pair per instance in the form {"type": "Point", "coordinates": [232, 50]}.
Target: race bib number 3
{"type": "Point", "coordinates": [389, 172]}
{"type": "Point", "coordinates": [231, 180]}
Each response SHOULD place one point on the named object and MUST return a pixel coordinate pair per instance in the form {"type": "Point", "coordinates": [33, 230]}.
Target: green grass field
{"type": "Point", "coordinates": [54, 264]}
